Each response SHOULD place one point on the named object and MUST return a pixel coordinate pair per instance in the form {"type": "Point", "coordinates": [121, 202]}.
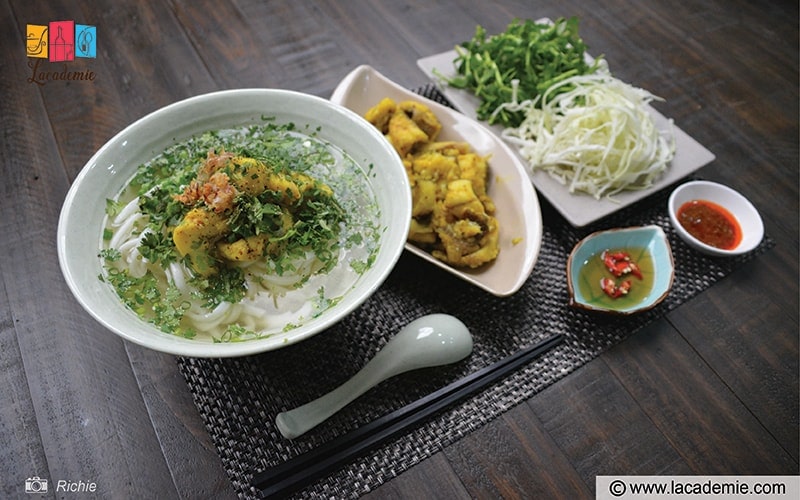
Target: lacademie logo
{"type": "Point", "coordinates": [60, 41]}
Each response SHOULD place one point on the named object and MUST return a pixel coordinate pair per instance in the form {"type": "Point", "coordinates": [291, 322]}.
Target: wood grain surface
{"type": "Point", "coordinates": [712, 388]}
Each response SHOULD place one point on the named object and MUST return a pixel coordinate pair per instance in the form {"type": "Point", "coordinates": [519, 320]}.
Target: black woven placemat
{"type": "Point", "coordinates": [239, 398]}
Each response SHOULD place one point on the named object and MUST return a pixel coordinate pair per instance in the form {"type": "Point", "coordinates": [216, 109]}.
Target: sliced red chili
{"type": "Point", "coordinates": [635, 270]}
{"type": "Point", "coordinates": [620, 256]}
{"type": "Point", "coordinates": [609, 287]}
{"type": "Point", "coordinates": [619, 264]}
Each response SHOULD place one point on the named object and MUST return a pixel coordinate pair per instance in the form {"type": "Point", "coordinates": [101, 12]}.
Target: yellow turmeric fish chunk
{"type": "Point", "coordinates": [203, 233]}
{"type": "Point", "coordinates": [448, 148]}
{"type": "Point", "coordinates": [380, 114]}
{"type": "Point", "coordinates": [423, 198]}
{"type": "Point", "coordinates": [257, 246]}
{"type": "Point", "coordinates": [244, 249]}
{"type": "Point", "coordinates": [474, 168]}
{"type": "Point", "coordinates": [436, 167]}
{"type": "Point", "coordinates": [468, 234]}
{"type": "Point", "coordinates": [195, 235]}
{"type": "Point", "coordinates": [254, 177]}
{"type": "Point", "coordinates": [488, 251]}
{"type": "Point", "coordinates": [404, 134]}
{"type": "Point", "coordinates": [452, 215]}
{"type": "Point", "coordinates": [423, 117]}
{"type": "Point", "coordinates": [423, 233]}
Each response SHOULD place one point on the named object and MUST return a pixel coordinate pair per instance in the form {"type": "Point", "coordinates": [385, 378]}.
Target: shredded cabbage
{"type": "Point", "coordinates": [598, 137]}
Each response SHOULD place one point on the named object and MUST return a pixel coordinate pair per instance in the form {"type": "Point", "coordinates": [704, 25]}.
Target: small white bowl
{"type": "Point", "coordinates": [740, 207]}
{"type": "Point", "coordinates": [517, 205]}
{"type": "Point", "coordinates": [80, 226]}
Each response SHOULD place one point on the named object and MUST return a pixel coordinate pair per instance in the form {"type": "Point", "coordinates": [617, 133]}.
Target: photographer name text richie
{"type": "Point", "coordinates": [76, 486]}
{"type": "Point", "coordinates": [42, 77]}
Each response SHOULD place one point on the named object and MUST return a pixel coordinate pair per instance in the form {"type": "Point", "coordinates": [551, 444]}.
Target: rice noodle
{"type": "Point", "coordinates": [261, 280]}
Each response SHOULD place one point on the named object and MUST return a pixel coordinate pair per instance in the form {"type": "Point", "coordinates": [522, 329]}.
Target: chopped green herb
{"type": "Point", "coordinates": [110, 254]}
{"type": "Point", "coordinates": [227, 285]}
{"type": "Point", "coordinates": [536, 54]}
{"type": "Point", "coordinates": [158, 248]}
{"type": "Point", "coordinates": [112, 207]}
{"type": "Point", "coordinates": [237, 333]}
{"type": "Point", "coordinates": [145, 297]}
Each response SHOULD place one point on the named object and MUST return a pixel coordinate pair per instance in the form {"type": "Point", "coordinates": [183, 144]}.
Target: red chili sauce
{"type": "Point", "coordinates": [710, 223]}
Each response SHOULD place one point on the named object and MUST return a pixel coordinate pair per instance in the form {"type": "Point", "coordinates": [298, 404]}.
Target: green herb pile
{"type": "Point", "coordinates": [536, 54]}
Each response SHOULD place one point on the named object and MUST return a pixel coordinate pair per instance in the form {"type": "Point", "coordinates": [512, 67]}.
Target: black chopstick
{"type": "Point", "coordinates": [300, 471]}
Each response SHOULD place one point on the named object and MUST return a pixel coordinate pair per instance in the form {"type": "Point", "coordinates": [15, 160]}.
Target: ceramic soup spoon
{"type": "Point", "coordinates": [432, 340]}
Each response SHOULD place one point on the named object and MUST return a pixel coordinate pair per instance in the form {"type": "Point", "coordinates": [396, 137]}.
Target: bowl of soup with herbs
{"type": "Point", "coordinates": [234, 222]}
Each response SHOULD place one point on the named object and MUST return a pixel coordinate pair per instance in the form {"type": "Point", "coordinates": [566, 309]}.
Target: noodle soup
{"type": "Point", "coordinates": [242, 233]}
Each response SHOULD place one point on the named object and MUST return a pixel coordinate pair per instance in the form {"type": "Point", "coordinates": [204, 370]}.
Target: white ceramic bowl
{"type": "Point", "coordinates": [81, 222]}
{"type": "Point", "coordinates": [740, 207]}
{"type": "Point", "coordinates": [517, 204]}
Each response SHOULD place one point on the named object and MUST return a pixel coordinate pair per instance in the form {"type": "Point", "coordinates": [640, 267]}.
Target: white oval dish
{"type": "Point", "coordinates": [104, 175]}
{"type": "Point", "coordinates": [740, 207]}
{"type": "Point", "coordinates": [518, 210]}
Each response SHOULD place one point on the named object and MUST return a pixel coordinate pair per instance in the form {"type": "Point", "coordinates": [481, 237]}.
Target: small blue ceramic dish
{"type": "Point", "coordinates": [597, 272]}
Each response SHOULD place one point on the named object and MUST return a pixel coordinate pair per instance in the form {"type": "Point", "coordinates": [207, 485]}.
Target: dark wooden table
{"type": "Point", "coordinates": [712, 388]}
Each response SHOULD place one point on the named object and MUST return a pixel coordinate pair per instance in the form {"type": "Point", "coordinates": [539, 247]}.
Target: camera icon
{"type": "Point", "coordinates": [35, 485]}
